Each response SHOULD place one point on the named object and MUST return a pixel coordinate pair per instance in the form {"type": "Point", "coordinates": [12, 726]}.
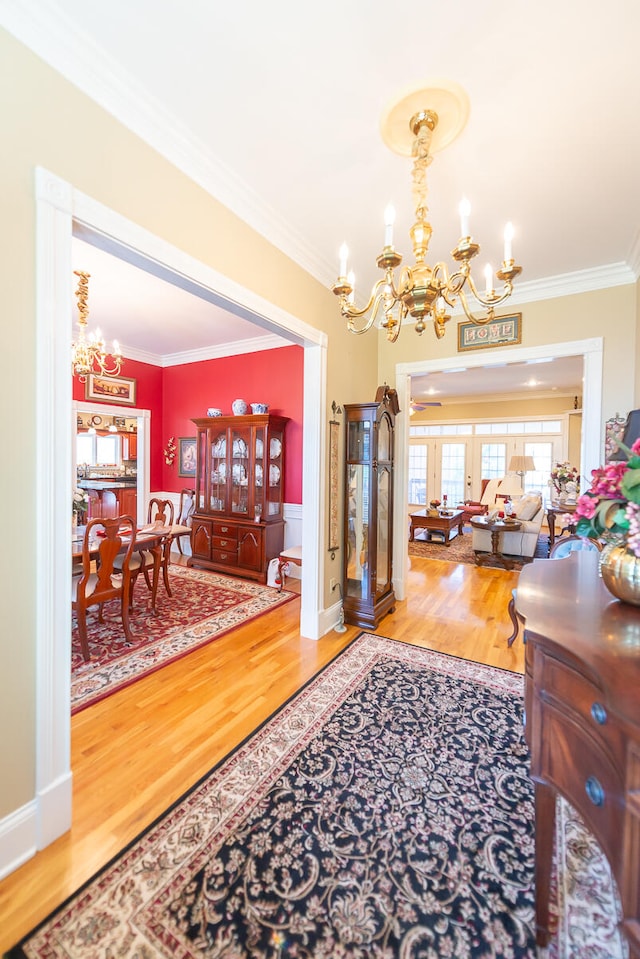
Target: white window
{"type": "Point", "coordinates": [453, 472]}
{"type": "Point", "coordinates": [418, 474]}
{"type": "Point", "coordinates": [93, 449]}
{"type": "Point", "coordinates": [537, 480]}
{"type": "Point", "coordinates": [493, 459]}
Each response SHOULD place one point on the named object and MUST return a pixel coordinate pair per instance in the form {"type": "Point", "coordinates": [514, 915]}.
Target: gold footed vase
{"type": "Point", "coordinates": [620, 571]}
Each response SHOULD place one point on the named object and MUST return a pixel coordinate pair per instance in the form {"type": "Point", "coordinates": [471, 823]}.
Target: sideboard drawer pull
{"type": "Point", "coordinates": [599, 713]}
{"type": "Point", "coordinates": [595, 792]}
{"type": "Point", "coordinates": [225, 529]}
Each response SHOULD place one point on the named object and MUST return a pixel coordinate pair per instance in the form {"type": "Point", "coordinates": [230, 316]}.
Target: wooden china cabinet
{"type": "Point", "coordinates": [238, 525]}
{"type": "Point", "coordinates": [368, 534]}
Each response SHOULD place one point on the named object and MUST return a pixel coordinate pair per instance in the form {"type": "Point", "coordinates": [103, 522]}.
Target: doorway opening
{"type": "Point", "coordinates": [59, 207]}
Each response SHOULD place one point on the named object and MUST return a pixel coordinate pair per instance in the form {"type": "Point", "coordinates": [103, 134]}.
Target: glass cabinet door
{"type": "Point", "coordinates": [259, 467]}
{"type": "Point", "coordinates": [357, 578]}
{"type": "Point", "coordinates": [274, 477]}
{"type": "Point", "coordinates": [383, 528]}
{"type": "Point", "coordinates": [240, 471]}
{"type": "Point", "coordinates": [359, 441]}
{"type": "Point", "coordinates": [218, 472]}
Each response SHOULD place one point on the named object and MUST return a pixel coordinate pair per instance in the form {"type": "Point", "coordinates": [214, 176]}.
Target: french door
{"type": "Point", "coordinates": [455, 467]}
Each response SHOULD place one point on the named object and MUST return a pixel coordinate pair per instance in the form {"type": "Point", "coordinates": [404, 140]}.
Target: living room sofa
{"type": "Point", "coordinates": [522, 542]}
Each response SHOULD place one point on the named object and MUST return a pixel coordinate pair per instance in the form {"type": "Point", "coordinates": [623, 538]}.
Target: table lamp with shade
{"type": "Point", "coordinates": [514, 485]}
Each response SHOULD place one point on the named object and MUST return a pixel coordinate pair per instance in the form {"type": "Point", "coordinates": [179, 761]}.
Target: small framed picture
{"type": "Point", "coordinates": [112, 389]}
{"type": "Point", "coordinates": [500, 331]}
{"type": "Point", "coordinates": [187, 456]}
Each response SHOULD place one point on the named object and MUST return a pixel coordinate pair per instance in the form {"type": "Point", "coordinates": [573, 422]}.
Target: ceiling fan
{"type": "Point", "coordinates": [417, 406]}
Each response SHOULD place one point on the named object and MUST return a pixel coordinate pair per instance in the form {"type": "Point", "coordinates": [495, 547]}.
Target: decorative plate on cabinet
{"type": "Point", "coordinates": [275, 448]}
{"type": "Point", "coordinates": [96, 420]}
{"type": "Point", "coordinates": [259, 475]}
{"type": "Point", "coordinates": [240, 449]}
{"type": "Point", "coordinates": [219, 448]}
{"type": "Point", "coordinates": [259, 448]}
{"type": "Point", "coordinates": [274, 475]}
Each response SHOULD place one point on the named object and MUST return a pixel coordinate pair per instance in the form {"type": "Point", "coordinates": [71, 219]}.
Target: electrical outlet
{"type": "Point", "coordinates": [333, 583]}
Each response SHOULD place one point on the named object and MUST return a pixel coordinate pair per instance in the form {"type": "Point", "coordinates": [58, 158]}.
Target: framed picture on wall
{"type": "Point", "coordinates": [112, 389]}
{"type": "Point", "coordinates": [500, 331]}
{"type": "Point", "coordinates": [187, 456]}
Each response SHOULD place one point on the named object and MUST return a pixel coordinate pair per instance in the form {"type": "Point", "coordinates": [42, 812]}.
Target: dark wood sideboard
{"type": "Point", "coordinates": [582, 698]}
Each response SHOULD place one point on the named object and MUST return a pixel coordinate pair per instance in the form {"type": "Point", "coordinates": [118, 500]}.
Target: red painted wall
{"type": "Point", "coordinates": [271, 376]}
{"type": "Point", "coordinates": [178, 393]}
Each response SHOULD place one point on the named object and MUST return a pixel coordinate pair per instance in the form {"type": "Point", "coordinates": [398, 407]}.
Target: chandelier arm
{"type": "Point", "coordinates": [478, 320]}
{"type": "Point", "coordinates": [491, 299]}
{"type": "Point", "coordinates": [351, 313]}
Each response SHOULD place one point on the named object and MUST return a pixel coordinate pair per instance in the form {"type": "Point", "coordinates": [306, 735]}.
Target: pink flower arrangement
{"type": "Point", "coordinates": [563, 473]}
{"type": "Point", "coordinates": [610, 509]}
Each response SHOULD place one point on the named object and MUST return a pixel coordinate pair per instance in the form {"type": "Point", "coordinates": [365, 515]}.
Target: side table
{"type": "Point", "coordinates": [558, 509]}
{"type": "Point", "coordinates": [496, 528]}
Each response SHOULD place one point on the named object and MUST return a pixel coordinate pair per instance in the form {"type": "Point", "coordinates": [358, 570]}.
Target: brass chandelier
{"type": "Point", "coordinates": [88, 352]}
{"type": "Point", "coordinates": [421, 291]}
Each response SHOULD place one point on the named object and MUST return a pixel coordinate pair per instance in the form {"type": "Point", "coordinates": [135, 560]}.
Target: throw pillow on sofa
{"type": "Point", "coordinates": [527, 508]}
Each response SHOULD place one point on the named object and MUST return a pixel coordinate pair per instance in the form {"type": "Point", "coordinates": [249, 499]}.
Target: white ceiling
{"type": "Point", "coordinates": [275, 110]}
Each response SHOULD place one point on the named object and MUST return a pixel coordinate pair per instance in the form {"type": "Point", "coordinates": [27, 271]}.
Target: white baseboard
{"type": "Point", "coordinates": [35, 825]}
{"type": "Point", "coordinates": [18, 843]}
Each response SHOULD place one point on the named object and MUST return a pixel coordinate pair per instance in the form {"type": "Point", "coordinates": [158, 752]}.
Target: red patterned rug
{"type": "Point", "coordinates": [203, 607]}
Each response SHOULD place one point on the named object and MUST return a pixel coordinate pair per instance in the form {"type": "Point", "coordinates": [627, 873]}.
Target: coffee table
{"type": "Point", "coordinates": [496, 528]}
{"type": "Point", "coordinates": [437, 524]}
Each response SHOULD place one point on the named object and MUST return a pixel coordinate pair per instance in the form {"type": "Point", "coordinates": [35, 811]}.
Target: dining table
{"type": "Point", "coordinates": [152, 537]}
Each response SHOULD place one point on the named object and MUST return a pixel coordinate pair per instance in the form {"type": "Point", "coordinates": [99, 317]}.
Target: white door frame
{"type": "Point", "coordinates": [592, 440]}
{"type": "Point", "coordinates": [58, 206]}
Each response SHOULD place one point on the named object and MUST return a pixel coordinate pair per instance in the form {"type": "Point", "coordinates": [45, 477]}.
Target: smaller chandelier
{"type": "Point", "coordinates": [421, 291]}
{"type": "Point", "coordinates": [88, 352]}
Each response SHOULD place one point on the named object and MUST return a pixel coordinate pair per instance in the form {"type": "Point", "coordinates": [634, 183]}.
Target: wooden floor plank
{"type": "Point", "coordinates": [136, 752]}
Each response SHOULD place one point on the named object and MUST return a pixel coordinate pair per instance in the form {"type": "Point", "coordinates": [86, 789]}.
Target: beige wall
{"type": "Point", "coordinates": [46, 122]}
{"type": "Point", "coordinates": [611, 314]}
{"type": "Point", "coordinates": [485, 409]}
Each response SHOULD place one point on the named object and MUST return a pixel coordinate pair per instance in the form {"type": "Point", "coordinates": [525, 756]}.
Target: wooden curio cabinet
{"type": "Point", "coordinates": [368, 543]}
{"type": "Point", "coordinates": [238, 524]}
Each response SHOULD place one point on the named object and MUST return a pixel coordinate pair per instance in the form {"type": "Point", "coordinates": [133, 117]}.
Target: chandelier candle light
{"type": "Point", "coordinates": [437, 115]}
{"type": "Point", "coordinates": [88, 352]}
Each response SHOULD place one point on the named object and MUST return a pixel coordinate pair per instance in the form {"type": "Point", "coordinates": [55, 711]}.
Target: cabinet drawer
{"type": "Point", "coordinates": [226, 530]}
{"type": "Point", "coordinates": [225, 543]}
{"type": "Point", "coordinates": [228, 557]}
{"type": "Point", "coordinates": [573, 761]}
{"type": "Point", "coordinates": [577, 697]}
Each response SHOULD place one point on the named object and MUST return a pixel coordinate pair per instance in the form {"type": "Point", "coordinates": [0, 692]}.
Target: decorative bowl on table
{"type": "Point", "coordinates": [214, 411]}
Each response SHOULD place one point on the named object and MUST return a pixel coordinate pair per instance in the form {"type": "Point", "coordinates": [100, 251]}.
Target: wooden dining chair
{"type": "Point", "coordinates": [149, 562]}
{"type": "Point", "coordinates": [99, 580]}
{"type": "Point", "coordinates": [186, 508]}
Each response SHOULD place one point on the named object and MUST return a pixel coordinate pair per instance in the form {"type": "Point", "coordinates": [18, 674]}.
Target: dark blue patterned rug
{"type": "Point", "coordinates": [385, 811]}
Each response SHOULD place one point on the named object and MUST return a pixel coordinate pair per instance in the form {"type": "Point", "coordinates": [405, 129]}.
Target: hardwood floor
{"type": "Point", "coordinates": [136, 752]}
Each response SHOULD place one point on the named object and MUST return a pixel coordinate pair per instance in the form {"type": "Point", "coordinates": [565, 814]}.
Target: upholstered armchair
{"type": "Point", "coordinates": [487, 500]}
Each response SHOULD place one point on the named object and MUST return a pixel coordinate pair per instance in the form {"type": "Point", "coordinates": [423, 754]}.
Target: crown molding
{"type": "Point", "coordinates": [256, 344]}
{"type": "Point", "coordinates": [53, 36]}
{"type": "Point", "coordinates": [49, 32]}
{"type": "Point", "coordinates": [633, 257]}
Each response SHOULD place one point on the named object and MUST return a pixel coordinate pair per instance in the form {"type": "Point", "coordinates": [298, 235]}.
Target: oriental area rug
{"type": "Point", "coordinates": [203, 607]}
{"type": "Point", "coordinates": [460, 550]}
{"type": "Point", "coordinates": [384, 811]}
